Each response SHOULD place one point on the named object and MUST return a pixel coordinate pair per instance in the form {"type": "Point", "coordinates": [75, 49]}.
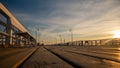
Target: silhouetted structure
{"type": "Point", "coordinates": [98, 42]}
{"type": "Point", "coordinates": [12, 33]}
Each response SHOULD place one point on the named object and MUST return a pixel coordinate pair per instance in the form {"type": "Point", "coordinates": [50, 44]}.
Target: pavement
{"type": "Point", "coordinates": [13, 57]}
{"type": "Point", "coordinates": [60, 57]}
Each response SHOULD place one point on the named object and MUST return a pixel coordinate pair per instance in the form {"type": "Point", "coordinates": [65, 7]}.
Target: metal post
{"type": "Point", "coordinates": [36, 37]}
{"type": "Point", "coordinates": [60, 39]}
{"type": "Point", "coordinates": [71, 36]}
{"type": "Point", "coordinates": [9, 31]}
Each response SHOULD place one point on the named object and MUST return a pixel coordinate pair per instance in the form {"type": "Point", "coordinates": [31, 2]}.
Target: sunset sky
{"type": "Point", "coordinates": [88, 19]}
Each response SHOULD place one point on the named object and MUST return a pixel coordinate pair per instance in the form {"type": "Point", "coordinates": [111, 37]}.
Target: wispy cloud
{"type": "Point", "coordinates": [87, 18]}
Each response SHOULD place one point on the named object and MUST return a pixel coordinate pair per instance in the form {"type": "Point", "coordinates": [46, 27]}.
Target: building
{"type": "Point", "coordinates": [12, 33]}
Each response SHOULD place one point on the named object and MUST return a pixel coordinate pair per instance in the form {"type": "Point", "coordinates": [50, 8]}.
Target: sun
{"type": "Point", "coordinates": [116, 34]}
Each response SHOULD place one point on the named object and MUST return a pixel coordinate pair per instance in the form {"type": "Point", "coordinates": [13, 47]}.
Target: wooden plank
{"type": "Point", "coordinates": [85, 61]}
{"type": "Point", "coordinates": [15, 57]}
{"type": "Point", "coordinates": [44, 59]}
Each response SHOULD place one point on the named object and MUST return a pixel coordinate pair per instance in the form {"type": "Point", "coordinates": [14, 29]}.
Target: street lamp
{"type": "Point", "coordinates": [37, 35]}
{"type": "Point", "coordinates": [60, 39]}
{"type": "Point", "coordinates": [71, 35]}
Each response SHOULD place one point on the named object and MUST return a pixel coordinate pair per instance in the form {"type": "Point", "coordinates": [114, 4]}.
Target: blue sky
{"type": "Point", "coordinates": [88, 19]}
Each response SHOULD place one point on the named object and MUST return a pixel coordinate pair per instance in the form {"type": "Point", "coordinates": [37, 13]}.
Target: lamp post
{"type": "Point", "coordinates": [60, 39]}
{"type": "Point", "coordinates": [36, 37]}
{"type": "Point", "coordinates": [56, 41]}
{"type": "Point", "coordinates": [71, 35]}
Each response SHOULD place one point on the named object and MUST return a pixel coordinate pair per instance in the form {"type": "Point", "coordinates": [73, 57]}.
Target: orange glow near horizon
{"type": "Point", "coordinates": [116, 34]}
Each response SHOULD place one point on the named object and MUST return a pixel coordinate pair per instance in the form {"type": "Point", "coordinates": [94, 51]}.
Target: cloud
{"type": "Point", "coordinates": [87, 18]}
